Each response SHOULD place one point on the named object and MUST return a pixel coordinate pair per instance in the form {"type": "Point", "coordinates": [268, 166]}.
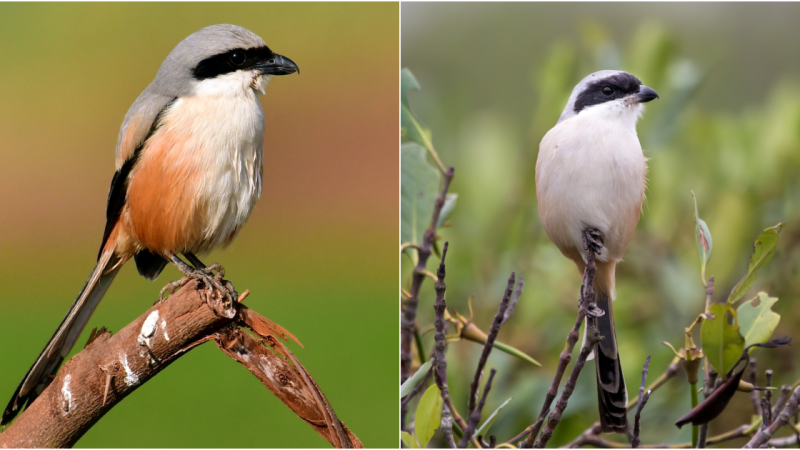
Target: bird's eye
{"type": "Point", "coordinates": [238, 58]}
{"type": "Point", "coordinates": [607, 91]}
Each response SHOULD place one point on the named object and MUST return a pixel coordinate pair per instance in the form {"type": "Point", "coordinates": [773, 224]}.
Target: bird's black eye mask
{"type": "Point", "coordinates": [607, 89]}
{"type": "Point", "coordinates": [231, 61]}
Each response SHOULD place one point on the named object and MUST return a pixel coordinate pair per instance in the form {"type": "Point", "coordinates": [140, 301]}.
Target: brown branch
{"type": "Point", "coordinates": [112, 367]}
{"type": "Point", "coordinates": [410, 311]}
{"type": "Point", "coordinates": [765, 433]}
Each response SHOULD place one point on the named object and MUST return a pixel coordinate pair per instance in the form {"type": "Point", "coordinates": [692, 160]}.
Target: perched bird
{"type": "Point", "coordinates": [188, 173]}
{"type": "Point", "coordinates": [590, 185]}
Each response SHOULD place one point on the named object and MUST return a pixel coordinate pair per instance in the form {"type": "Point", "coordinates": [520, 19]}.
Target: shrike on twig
{"type": "Point", "coordinates": [188, 173]}
{"type": "Point", "coordinates": [590, 185]}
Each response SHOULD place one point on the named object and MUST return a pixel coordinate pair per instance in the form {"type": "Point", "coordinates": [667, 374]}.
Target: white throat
{"type": "Point", "coordinates": [234, 84]}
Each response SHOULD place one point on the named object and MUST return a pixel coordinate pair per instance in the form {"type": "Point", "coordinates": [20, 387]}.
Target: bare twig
{"type": "Point", "coordinates": [475, 415]}
{"type": "Point", "coordinates": [439, 361]}
{"type": "Point", "coordinates": [487, 349]}
{"type": "Point", "coordinates": [786, 390]}
{"type": "Point", "coordinates": [764, 434]}
{"type": "Point", "coordinates": [643, 396]}
{"type": "Point", "coordinates": [709, 386]}
{"type": "Point", "coordinates": [765, 412]}
{"type": "Point", "coordinates": [552, 391]}
{"type": "Point", "coordinates": [710, 374]}
{"type": "Point", "coordinates": [592, 337]}
{"type": "Point", "coordinates": [592, 434]}
{"type": "Point", "coordinates": [112, 367]}
{"type": "Point", "coordinates": [754, 398]}
{"type": "Point", "coordinates": [418, 388]}
{"type": "Point", "coordinates": [592, 437]}
{"type": "Point", "coordinates": [447, 427]}
{"type": "Point", "coordinates": [410, 311]}
{"type": "Point", "coordinates": [586, 305]}
{"type": "Point", "coordinates": [768, 395]}
{"type": "Point", "coordinates": [514, 301]}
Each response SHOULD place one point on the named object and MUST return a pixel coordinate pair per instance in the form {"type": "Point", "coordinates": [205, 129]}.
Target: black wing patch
{"type": "Point", "coordinates": [119, 184]}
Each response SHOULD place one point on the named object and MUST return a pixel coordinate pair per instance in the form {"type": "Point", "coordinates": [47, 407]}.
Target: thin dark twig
{"type": "Point", "coordinates": [764, 434]}
{"type": "Point", "coordinates": [487, 349]}
{"type": "Point", "coordinates": [410, 311]}
{"type": "Point", "coordinates": [587, 307]}
{"type": "Point", "coordinates": [591, 436]}
{"type": "Point", "coordinates": [439, 361]}
{"type": "Point", "coordinates": [709, 379]}
{"type": "Point", "coordinates": [754, 397]}
{"type": "Point", "coordinates": [786, 390]}
{"type": "Point", "coordinates": [475, 415]}
{"type": "Point", "coordinates": [768, 395]}
{"type": "Point", "coordinates": [592, 337]}
{"type": "Point", "coordinates": [709, 386]}
{"type": "Point", "coordinates": [418, 387]}
{"type": "Point", "coordinates": [514, 300]}
{"type": "Point", "coordinates": [642, 401]}
{"type": "Point", "coordinates": [765, 413]}
{"type": "Point", "coordinates": [492, 441]}
{"type": "Point", "coordinates": [552, 391]}
{"type": "Point", "coordinates": [587, 299]}
{"type": "Point", "coordinates": [447, 427]}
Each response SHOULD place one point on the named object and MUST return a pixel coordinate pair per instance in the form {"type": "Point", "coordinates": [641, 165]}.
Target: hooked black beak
{"type": "Point", "coordinates": [278, 65]}
{"type": "Point", "coordinates": [646, 94]}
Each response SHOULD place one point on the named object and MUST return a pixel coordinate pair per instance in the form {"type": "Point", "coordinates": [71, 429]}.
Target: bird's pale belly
{"type": "Point", "coordinates": [602, 190]}
{"type": "Point", "coordinates": [193, 191]}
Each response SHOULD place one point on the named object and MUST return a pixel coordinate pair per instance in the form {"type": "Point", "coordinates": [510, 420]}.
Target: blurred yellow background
{"type": "Point", "coordinates": [318, 254]}
{"type": "Point", "coordinates": [495, 78]}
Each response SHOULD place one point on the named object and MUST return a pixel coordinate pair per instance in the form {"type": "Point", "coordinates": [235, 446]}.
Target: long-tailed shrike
{"type": "Point", "coordinates": [188, 173]}
{"type": "Point", "coordinates": [590, 178]}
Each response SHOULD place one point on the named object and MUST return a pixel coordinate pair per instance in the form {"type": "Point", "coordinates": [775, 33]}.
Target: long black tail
{"type": "Point", "coordinates": [44, 369]}
{"type": "Point", "coordinates": [611, 394]}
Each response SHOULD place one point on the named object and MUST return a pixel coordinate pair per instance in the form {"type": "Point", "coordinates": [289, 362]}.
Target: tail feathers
{"type": "Point", "coordinates": [612, 397]}
{"type": "Point", "coordinates": [44, 369]}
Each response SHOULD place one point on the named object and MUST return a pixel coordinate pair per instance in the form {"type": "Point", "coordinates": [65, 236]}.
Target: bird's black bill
{"type": "Point", "coordinates": [278, 65]}
{"type": "Point", "coordinates": [646, 94]}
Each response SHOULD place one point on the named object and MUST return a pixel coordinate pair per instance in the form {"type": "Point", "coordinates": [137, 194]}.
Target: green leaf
{"type": "Point", "coordinates": [410, 128]}
{"type": "Point", "coordinates": [487, 424]}
{"type": "Point", "coordinates": [763, 250]}
{"type": "Point", "coordinates": [447, 209]}
{"type": "Point", "coordinates": [429, 415]}
{"type": "Point", "coordinates": [703, 239]}
{"type": "Point", "coordinates": [415, 379]}
{"type": "Point", "coordinates": [758, 322]}
{"type": "Point", "coordinates": [722, 343]}
{"type": "Point", "coordinates": [408, 440]}
{"type": "Point", "coordinates": [514, 352]}
{"type": "Point", "coordinates": [419, 187]}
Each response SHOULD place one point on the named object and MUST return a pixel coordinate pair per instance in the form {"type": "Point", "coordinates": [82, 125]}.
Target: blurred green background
{"type": "Point", "coordinates": [318, 254]}
{"type": "Point", "coordinates": [496, 77]}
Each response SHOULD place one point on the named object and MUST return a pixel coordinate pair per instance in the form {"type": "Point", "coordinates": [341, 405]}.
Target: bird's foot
{"type": "Point", "coordinates": [212, 279]}
{"type": "Point", "coordinates": [591, 310]}
{"type": "Point", "coordinates": [593, 240]}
